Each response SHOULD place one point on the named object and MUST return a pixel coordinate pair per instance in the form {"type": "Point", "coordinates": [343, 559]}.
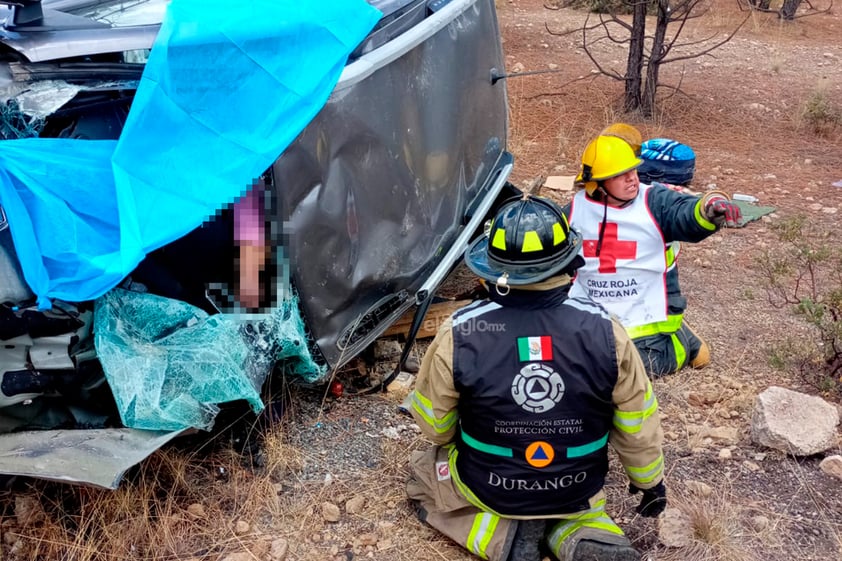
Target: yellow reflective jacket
{"type": "Point", "coordinates": [636, 433]}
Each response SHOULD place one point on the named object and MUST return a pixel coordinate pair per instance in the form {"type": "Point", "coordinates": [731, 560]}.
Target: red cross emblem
{"type": "Point", "coordinates": [612, 249]}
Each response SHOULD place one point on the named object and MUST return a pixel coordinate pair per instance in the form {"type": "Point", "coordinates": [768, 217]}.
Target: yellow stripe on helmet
{"type": "Point", "coordinates": [499, 239]}
{"type": "Point", "coordinates": [531, 242]}
{"type": "Point", "coordinates": [558, 234]}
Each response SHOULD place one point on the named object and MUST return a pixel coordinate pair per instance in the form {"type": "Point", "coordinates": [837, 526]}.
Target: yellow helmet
{"type": "Point", "coordinates": [605, 157]}
{"type": "Point", "coordinates": [627, 132]}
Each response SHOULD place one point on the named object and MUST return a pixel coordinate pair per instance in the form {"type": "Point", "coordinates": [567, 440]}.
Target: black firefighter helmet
{"type": "Point", "coordinates": [529, 240]}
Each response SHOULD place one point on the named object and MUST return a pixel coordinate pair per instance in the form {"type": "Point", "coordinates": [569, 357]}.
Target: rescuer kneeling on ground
{"type": "Point", "coordinates": [522, 411]}
{"type": "Point", "coordinates": [629, 230]}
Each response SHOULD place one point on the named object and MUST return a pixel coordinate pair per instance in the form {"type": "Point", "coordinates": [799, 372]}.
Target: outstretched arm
{"type": "Point", "coordinates": [683, 217]}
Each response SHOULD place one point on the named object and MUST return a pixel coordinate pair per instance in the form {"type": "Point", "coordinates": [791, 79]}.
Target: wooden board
{"type": "Point", "coordinates": [436, 316]}
{"type": "Point", "coordinates": [560, 182]}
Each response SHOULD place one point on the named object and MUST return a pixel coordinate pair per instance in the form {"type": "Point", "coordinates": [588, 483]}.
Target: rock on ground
{"type": "Point", "coordinates": [832, 465]}
{"type": "Point", "coordinates": [675, 528]}
{"type": "Point", "coordinates": [330, 512]}
{"type": "Point", "coordinates": [699, 488]}
{"type": "Point", "coordinates": [793, 422]}
{"type": "Point", "coordinates": [278, 550]}
{"type": "Point", "coordinates": [355, 505]}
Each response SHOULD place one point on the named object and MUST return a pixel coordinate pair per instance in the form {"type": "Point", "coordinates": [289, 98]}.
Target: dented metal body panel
{"type": "Point", "coordinates": [64, 35]}
{"type": "Point", "coordinates": [378, 186]}
{"type": "Point", "coordinates": [375, 190]}
{"type": "Point", "coordinates": [97, 457]}
{"type": "Point", "coordinates": [372, 205]}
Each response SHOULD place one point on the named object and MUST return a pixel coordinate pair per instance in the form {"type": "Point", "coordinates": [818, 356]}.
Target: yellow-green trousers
{"type": "Point", "coordinates": [489, 535]}
{"type": "Point", "coordinates": [666, 353]}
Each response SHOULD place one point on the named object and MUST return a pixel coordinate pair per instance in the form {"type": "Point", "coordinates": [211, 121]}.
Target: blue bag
{"type": "Point", "coordinates": [666, 161]}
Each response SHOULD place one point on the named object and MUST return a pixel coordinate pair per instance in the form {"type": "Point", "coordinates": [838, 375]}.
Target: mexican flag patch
{"type": "Point", "coordinates": [535, 348]}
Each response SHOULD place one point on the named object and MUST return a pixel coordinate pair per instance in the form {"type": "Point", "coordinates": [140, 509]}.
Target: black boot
{"type": "Point", "coordinates": [419, 510]}
{"type": "Point", "coordinates": [527, 540]}
{"type": "Point", "coordinates": [589, 550]}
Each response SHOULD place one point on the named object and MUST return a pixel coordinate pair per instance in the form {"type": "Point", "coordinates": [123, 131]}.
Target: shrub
{"type": "Point", "coordinates": [804, 273]}
{"type": "Point", "coordinates": [820, 114]}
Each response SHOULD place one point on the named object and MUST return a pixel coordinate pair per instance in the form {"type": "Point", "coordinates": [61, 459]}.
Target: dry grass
{"type": "Point", "coordinates": [829, 520]}
{"type": "Point", "coordinates": [176, 506]}
{"type": "Point", "coordinates": [549, 141]}
{"type": "Point", "coordinates": [186, 506]}
{"type": "Point", "coordinates": [820, 113]}
{"type": "Point", "coordinates": [374, 518]}
{"type": "Point", "coordinates": [722, 528]}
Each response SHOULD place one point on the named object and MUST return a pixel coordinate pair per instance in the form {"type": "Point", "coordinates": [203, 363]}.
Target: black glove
{"type": "Point", "coordinates": [654, 500]}
{"type": "Point", "coordinates": [721, 212]}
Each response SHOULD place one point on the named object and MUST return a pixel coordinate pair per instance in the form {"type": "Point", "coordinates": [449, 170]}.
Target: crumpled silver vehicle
{"type": "Point", "coordinates": [372, 205]}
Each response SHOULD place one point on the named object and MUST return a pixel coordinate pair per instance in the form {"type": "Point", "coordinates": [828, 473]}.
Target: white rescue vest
{"type": "Point", "coordinates": [629, 276]}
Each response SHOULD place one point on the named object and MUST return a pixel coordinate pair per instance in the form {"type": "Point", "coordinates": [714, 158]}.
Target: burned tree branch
{"type": "Point", "coordinates": [568, 32]}
{"type": "Point", "coordinates": [699, 42]}
{"type": "Point", "coordinates": [564, 85]}
{"type": "Point", "coordinates": [647, 53]}
{"type": "Point", "coordinates": [676, 89]}
{"type": "Point", "coordinates": [687, 13]}
{"type": "Point", "coordinates": [709, 49]}
{"type": "Point", "coordinates": [614, 19]}
{"type": "Point", "coordinates": [585, 47]}
{"type": "Point", "coordinates": [787, 11]}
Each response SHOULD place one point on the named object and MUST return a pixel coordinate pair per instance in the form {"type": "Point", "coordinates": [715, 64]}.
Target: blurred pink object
{"type": "Point", "coordinates": [248, 218]}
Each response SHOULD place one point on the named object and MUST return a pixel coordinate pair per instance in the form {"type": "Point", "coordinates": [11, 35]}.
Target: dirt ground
{"type": "Point", "coordinates": [739, 108]}
{"type": "Point", "coordinates": [330, 485]}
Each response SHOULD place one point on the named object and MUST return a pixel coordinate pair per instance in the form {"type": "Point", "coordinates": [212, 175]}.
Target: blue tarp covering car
{"type": "Point", "coordinates": [222, 95]}
{"type": "Point", "coordinates": [375, 156]}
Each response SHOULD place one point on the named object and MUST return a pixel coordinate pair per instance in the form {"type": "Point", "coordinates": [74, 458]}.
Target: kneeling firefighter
{"type": "Point", "coordinates": [521, 394]}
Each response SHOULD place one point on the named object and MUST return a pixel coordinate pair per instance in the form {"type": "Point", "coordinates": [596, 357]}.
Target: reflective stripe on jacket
{"type": "Point", "coordinates": [633, 426]}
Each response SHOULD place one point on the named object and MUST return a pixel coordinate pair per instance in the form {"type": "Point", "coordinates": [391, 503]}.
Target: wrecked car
{"type": "Point", "coordinates": [365, 213]}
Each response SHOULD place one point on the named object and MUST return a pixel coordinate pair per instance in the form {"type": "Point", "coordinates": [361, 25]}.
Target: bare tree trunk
{"type": "Point", "coordinates": [789, 8]}
{"type": "Point", "coordinates": [640, 87]}
{"type": "Point", "coordinates": [650, 86]}
{"type": "Point", "coordinates": [634, 66]}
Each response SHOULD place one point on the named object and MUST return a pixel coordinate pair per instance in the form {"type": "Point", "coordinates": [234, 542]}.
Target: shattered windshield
{"type": "Point", "coordinates": [116, 13]}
